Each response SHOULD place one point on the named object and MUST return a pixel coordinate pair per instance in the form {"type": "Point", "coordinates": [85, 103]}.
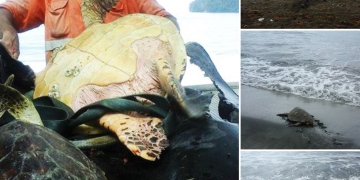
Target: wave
{"type": "Point", "coordinates": [306, 78]}
{"type": "Point", "coordinates": [300, 165]}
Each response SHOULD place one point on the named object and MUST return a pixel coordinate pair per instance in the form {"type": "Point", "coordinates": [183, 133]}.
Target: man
{"type": "Point", "coordinates": [62, 19]}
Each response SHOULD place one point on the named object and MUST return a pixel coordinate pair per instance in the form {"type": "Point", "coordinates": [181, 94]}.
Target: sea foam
{"type": "Point", "coordinates": [306, 78]}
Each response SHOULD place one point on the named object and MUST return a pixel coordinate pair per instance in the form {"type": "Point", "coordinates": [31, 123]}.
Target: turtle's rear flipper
{"type": "Point", "coordinates": [201, 58]}
{"type": "Point", "coordinates": [24, 75]}
{"type": "Point", "coordinates": [143, 136]}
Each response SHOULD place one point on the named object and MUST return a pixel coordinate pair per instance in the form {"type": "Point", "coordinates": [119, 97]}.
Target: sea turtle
{"type": "Point", "coordinates": [29, 151]}
{"type": "Point", "coordinates": [135, 54]}
{"type": "Point", "coordinates": [299, 116]}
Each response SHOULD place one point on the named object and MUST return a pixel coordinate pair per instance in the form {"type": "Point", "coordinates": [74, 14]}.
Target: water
{"type": "Point", "coordinates": [312, 64]}
{"type": "Point", "coordinates": [300, 165]}
{"type": "Point", "coordinates": [218, 33]}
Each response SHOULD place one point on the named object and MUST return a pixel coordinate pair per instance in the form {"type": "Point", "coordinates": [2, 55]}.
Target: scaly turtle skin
{"type": "Point", "coordinates": [16, 104]}
{"type": "Point", "coordinates": [29, 151]}
{"type": "Point", "coordinates": [135, 54]}
{"type": "Point", "coordinates": [299, 116]}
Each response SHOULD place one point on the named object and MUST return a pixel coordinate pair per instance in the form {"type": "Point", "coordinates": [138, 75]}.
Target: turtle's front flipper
{"type": "Point", "coordinates": [18, 105]}
{"type": "Point", "coordinates": [144, 136]}
{"type": "Point", "coordinates": [199, 56]}
{"type": "Point", "coordinates": [194, 106]}
{"type": "Point", "coordinates": [283, 115]}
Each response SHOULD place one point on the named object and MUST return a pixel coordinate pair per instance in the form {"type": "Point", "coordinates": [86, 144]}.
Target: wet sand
{"type": "Point", "coordinates": [262, 129]}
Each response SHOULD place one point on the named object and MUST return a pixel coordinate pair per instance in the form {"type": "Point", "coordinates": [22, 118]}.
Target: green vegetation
{"type": "Point", "coordinates": [214, 6]}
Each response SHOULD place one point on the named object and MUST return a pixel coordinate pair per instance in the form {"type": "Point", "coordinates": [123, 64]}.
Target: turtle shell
{"type": "Point", "coordinates": [29, 151]}
{"type": "Point", "coordinates": [112, 60]}
{"type": "Point", "coordinates": [300, 115]}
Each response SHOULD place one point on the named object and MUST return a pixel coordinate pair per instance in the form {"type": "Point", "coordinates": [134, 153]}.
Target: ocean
{"type": "Point", "coordinates": [313, 64]}
{"type": "Point", "coordinates": [300, 165]}
{"type": "Point", "coordinates": [219, 33]}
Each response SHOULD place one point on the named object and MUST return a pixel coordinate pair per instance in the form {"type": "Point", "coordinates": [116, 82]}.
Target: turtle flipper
{"type": "Point", "coordinates": [143, 136]}
{"type": "Point", "coordinates": [284, 115]}
{"type": "Point", "coordinates": [17, 105]}
{"type": "Point", "coordinates": [201, 58]}
{"type": "Point", "coordinates": [193, 105]}
{"type": "Point", "coordinates": [9, 81]}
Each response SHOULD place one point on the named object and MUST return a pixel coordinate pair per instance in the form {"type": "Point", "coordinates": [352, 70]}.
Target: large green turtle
{"type": "Point", "coordinates": [135, 54]}
{"type": "Point", "coordinates": [28, 150]}
{"type": "Point", "coordinates": [299, 116]}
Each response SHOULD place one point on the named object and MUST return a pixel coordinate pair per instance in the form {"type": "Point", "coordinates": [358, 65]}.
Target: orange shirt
{"type": "Point", "coordinates": [63, 19]}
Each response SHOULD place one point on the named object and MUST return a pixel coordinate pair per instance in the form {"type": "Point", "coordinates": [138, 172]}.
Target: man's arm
{"type": "Point", "coordinates": [154, 8]}
{"type": "Point", "coordinates": [8, 34]}
{"type": "Point", "coordinates": [19, 16]}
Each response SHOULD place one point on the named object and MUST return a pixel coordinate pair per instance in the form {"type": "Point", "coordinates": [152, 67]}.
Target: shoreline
{"type": "Point", "coordinates": [262, 129]}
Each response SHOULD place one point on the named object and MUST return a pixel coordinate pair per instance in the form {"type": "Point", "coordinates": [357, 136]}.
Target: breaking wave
{"type": "Point", "coordinates": [306, 78]}
{"type": "Point", "coordinates": [300, 165]}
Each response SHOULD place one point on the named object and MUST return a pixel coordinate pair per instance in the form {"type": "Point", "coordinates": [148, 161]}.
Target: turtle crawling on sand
{"type": "Point", "coordinates": [136, 54]}
{"type": "Point", "coordinates": [299, 116]}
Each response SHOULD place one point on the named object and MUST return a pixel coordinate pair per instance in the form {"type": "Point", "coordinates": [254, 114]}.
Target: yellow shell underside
{"type": "Point", "coordinates": [103, 54]}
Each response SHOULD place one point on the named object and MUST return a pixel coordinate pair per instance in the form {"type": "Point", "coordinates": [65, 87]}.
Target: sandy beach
{"type": "Point", "coordinates": [262, 129]}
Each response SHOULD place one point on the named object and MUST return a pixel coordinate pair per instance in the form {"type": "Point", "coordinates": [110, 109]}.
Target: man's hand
{"type": "Point", "coordinates": [8, 35]}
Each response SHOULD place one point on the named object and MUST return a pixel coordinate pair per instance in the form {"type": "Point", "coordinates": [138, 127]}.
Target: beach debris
{"type": "Point", "coordinates": [271, 20]}
{"type": "Point", "coordinates": [261, 19]}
